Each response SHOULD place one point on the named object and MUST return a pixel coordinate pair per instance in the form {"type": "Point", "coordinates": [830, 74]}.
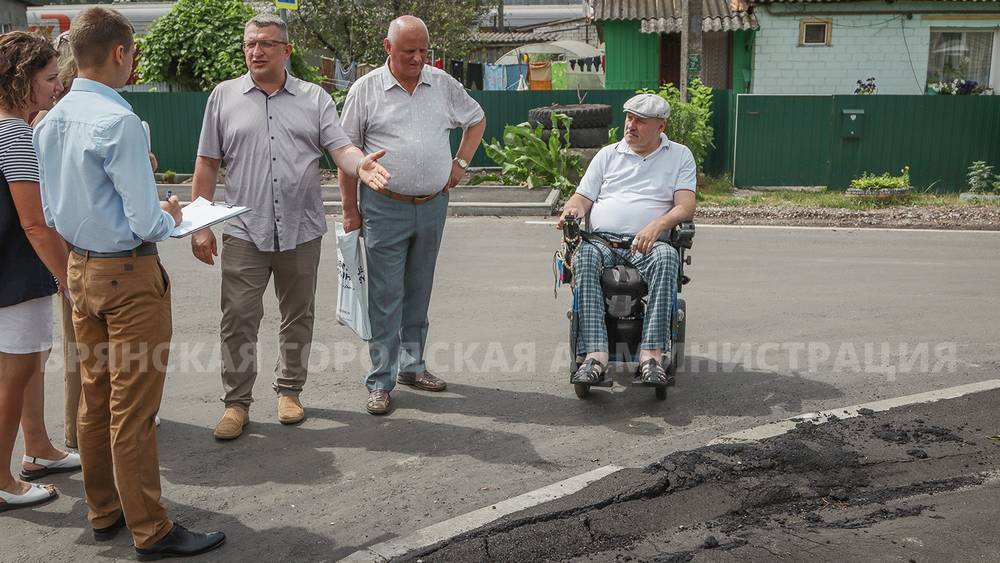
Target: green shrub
{"type": "Point", "coordinates": [690, 122]}
{"type": "Point", "coordinates": [198, 43]}
{"type": "Point", "coordinates": [980, 178]}
{"type": "Point", "coordinates": [869, 181]}
{"type": "Point", "coordinates": [525, 159]}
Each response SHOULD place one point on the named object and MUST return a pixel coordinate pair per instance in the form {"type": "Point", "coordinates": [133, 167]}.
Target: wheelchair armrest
{"type": "Point", "coordinates": [682, 235]}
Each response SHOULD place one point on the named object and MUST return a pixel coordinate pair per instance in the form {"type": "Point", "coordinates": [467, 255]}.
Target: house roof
{"type": "Point", "coordinates": [664, 16]}
{"type": "Point", "coordinates": [510, 37]}
{"type": "Point", "coordinates": [747, 2]}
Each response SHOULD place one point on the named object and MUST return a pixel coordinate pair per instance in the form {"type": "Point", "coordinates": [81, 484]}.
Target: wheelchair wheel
{"type": "Point", "coordinates": [677, 347]}
{"type": "Point", "coordinates": [582, 391]}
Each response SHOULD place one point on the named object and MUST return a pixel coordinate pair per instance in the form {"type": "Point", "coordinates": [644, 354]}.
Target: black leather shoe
{"type": "Point", "coordinates": [180, 542]}
{"type": "Point", "coordinates": [109, 533]}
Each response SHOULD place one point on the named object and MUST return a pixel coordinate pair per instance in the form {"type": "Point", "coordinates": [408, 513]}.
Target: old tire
{"type": "Point", "coordinates": [582, 138]}
{"type": "Point", "coordinates": [585, 116]}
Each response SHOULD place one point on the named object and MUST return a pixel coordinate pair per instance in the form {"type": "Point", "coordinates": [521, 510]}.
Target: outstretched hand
{"type": "Point", "coordinates": [372, 173]}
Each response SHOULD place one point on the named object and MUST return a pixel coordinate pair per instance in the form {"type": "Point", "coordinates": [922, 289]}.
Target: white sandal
{"type": "Point", "coordinates": [49, 466]}
{"type": "Point", "coordinates": [36, 494]}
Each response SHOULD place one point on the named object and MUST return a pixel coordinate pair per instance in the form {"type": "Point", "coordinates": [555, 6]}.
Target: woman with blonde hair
{"type": "Point", "coordinates": [34, 259]}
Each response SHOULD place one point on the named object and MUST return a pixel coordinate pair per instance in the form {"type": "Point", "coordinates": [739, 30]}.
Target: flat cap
{"type": "Point", "coordinates": [648, 105]}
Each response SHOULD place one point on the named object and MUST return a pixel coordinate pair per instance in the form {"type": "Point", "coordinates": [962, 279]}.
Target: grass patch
{"type": "Point", "coordinates": [714, 185]}
{"type": "Point", "coordinates": [718, 191]}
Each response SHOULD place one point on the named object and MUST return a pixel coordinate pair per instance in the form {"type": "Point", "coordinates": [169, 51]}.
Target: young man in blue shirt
{"type": "Point", "coordinates": [99, 193]}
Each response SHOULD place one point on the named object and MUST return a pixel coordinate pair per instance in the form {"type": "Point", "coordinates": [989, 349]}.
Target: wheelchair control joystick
{"type": "Point", "coordinates": [571, 228]}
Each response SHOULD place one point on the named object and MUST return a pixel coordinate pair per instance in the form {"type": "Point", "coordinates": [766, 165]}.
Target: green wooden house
{"type": "Point", "coordinates": [643, 43]}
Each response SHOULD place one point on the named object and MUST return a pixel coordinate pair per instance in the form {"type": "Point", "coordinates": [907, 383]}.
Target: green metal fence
{"type": "Point", "coordinates": [814, 141]}
{"type": "Point", "coordinates": [175, 120]}
{"type": "Point", "coordinates": [174, 124]}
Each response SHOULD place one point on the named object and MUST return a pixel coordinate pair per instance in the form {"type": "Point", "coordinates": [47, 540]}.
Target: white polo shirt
{"type": "Point", "coordinates": [629, 190]}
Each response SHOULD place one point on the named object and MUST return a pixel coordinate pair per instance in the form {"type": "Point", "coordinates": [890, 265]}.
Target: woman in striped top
{"type": "Point", "coordinates": [34, 260]}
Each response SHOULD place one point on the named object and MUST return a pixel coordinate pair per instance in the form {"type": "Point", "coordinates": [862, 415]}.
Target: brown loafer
{"type": "Point", "coordinates": [290, 410]}
{"type": "Point", "coordinates": [423, 380]}
{"type": "Point", "coordinates": [378, 402]}
{"type": "Point", "coordinates": [231, 424]}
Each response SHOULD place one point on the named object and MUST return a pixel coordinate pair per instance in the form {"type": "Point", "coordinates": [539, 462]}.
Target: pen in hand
{"type": "Point", "coordinates": [172, 206]}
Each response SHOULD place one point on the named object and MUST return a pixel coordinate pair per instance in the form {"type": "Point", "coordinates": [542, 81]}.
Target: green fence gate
{"type": "Point", "coordinates": [829, 140]}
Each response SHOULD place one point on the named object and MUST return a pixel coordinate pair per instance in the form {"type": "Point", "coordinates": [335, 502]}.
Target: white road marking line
{"type": "Point", "coordinates": [783, 426]}
{"type": "Point", "coordinates": [385, 551]}
{"type": "Point", "coordinates": [460, 524]}
{"type": "Point", "coordinates": [805, 228]}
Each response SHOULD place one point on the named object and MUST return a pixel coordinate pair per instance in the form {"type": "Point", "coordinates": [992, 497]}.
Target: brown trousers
{"type": "Point", "coordinates": [72, 373]}
{"type": "Point", "coordinates": [246, 272]}
{"type": "Point", "coordinates": [121, 315]}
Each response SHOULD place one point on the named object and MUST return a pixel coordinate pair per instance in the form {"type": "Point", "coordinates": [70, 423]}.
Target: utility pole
{"type": "Point", "coordinates": [283, 13]}
{"type": "Point", "coordinates": [691, 18]}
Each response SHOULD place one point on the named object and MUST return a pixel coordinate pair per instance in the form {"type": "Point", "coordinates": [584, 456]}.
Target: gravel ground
{"type": "Point", "coordinates": [972, 217]}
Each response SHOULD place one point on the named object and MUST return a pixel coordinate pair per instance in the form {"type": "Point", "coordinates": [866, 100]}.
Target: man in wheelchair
{"type": "Point", "coordinates": [635, 192]}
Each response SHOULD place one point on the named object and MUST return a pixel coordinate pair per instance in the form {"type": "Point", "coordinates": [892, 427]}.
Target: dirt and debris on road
{"type": "Point", "coordinates": [969, 217]}
{"type": "Point", "coordinates": [852, 490]}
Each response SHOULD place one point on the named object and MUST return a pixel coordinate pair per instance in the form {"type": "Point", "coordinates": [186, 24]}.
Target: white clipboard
{"type": "Point", "coordinates": [202, 213]}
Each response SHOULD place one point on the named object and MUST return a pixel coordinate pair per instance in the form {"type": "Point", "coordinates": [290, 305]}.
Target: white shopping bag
{"type": "Point", "coordinates": [352, 291]}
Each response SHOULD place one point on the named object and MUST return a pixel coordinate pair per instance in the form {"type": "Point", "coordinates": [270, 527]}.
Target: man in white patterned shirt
{"type": "Point", "coordinates": [407, 109]}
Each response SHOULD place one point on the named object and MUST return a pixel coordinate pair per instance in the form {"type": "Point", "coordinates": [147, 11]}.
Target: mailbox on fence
{"type": "Point", "coordinates": [852, 123]}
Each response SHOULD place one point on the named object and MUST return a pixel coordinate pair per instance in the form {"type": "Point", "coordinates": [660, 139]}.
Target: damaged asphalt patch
{"type": "Point", "coordinates": [915, 483]}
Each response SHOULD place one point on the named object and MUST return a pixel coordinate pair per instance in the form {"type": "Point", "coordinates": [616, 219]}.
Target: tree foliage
{"type": "Point", "coordinates": [352, 30]}
{"type": "Point", "coordinates": [197, 44]}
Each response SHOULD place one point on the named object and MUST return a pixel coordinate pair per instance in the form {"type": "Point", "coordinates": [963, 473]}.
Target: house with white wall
{"type": "Point", "coordinates": [825, 47]}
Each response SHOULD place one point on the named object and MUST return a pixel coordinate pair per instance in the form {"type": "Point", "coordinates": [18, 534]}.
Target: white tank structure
{"type": "Point", "coordinates": [52, 20]}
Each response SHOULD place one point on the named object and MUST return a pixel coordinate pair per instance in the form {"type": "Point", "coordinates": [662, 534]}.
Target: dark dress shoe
{"type": "Point", "coordinates": [180, 542]}
{"type": "Point", "coordinates": [109, 533]}
{"type": "Point", "coordinates": [423, 380]}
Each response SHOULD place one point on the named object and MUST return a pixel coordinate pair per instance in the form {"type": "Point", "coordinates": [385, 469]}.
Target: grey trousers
{"type": "Point", "coordinates": [246, 272]}
{"type": "Point", "coordinates": [401, 241]}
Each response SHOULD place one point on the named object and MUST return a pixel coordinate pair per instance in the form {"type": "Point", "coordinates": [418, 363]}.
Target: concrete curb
{"type": "Point", "coordinates": [544, 208]}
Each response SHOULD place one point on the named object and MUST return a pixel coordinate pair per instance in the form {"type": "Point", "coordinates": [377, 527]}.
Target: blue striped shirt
{"type": "Point", "coordinates": [98, 189]}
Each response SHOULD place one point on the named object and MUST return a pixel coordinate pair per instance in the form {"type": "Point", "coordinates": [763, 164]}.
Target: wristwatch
{"type": "Point", "coordinates": [461, 163]}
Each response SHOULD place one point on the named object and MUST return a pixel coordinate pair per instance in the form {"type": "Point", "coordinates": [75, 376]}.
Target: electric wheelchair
{"type": "Point", "coordinates": [625, 294]}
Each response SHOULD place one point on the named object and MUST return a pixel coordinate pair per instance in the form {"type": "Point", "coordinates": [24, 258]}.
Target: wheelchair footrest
{"type": "Point", "coordinates": [604, 381]}
{"type": "Point", "coordinates": [637, 380]}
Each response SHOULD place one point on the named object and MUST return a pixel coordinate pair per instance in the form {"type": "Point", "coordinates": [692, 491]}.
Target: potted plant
{"type": "Point", "coordinates": [883, 187]}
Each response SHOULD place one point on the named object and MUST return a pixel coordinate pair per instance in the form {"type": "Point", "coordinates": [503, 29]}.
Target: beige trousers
{"type": "Point", "coordinates": [246, 272]}
{"type": "Point", "coordinates": [122, 319]}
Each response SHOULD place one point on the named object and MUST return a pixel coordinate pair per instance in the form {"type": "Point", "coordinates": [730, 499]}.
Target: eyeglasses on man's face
{"type": "Point", "coordinates": [264, 44]}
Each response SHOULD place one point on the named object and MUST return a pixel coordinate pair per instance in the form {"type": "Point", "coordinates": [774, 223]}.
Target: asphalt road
{"type": "Point", "coordinates": [779, 322]}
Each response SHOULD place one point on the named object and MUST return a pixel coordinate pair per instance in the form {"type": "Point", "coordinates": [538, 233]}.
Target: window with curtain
{"type": "Point", "coordinates": [960, 54]}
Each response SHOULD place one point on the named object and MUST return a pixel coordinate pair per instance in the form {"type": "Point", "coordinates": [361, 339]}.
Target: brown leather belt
{"type": "Point", "coordinates": [414, 199]}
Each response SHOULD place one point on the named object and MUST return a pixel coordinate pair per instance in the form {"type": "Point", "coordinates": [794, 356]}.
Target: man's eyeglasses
{"type": "Point", "coordinates": [267, 45]}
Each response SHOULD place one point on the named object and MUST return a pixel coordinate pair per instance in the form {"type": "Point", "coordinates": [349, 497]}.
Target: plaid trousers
{"type": "Point", "coordinates": [658, 268]}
